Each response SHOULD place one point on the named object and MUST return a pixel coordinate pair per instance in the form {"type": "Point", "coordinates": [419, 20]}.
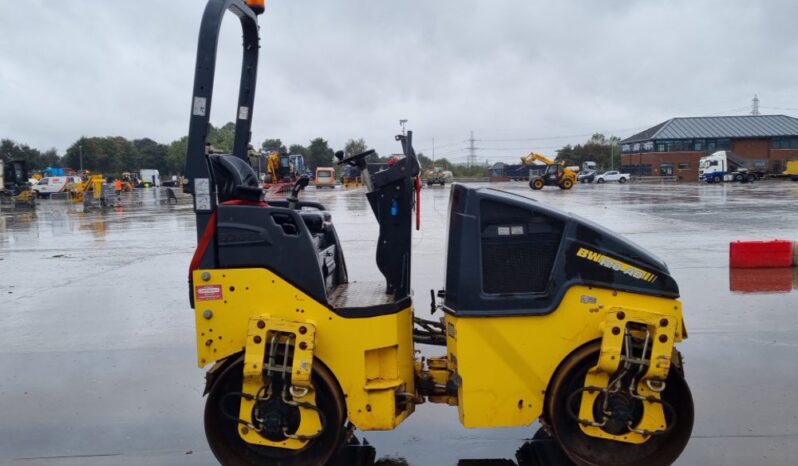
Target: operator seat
{"type": "Point", "coordinates": [235, 179]}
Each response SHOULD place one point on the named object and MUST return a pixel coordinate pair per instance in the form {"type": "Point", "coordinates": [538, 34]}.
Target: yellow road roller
{"type": "Point", "coordinates": [543, 316]}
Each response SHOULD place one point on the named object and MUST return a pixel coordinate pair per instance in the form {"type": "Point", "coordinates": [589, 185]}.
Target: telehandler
{"type": "Point", "coordinates": [556, 173]}
{"type": "Point", "coordinates": [546, 316]}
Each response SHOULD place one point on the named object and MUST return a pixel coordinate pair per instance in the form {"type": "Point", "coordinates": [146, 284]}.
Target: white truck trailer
{"type": "Point", "coordinates": [724, 165]}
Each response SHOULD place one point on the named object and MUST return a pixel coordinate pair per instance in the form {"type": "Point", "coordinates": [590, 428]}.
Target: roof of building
{"type": "Point", "coordinates": [743, 126]}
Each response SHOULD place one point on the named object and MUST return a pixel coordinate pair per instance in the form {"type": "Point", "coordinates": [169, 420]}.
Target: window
{"type": "Point", "coordinates": [684, 166]}
{"type": "Point", "coordinates": [666, 169]}
{"type": "Point", "coordinates": [648, 146]}
{"type": "Point", "coordinates": [324, 174]}
{"type": "Point", "coordinates": [636, 147]}
{"type": "Point", "coordinates": [784, 143]}
{"type": "Point", "coordinates": [660, 147]}
{"type": "Point", "coordinates": [699, 144]}
{"type": "Point", "coordinates": [724, 144]}
{"type": "Point", "coordinates": [43, 182]}
{"type": "Point", "coordinates": [626, 148]}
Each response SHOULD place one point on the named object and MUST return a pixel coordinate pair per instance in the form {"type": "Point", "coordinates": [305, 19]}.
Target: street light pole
{"type": "Point", "coordinates": [80, 146]}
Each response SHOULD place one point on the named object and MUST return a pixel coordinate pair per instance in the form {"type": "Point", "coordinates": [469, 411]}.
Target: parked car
{"type": "Point", "coordinates": [613, 175]}
{"type": "Point", "coordinates": [587, 176]}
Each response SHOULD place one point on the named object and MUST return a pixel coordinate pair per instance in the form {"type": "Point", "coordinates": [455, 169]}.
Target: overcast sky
{"type": "Point", "coordinates": [523, 75]}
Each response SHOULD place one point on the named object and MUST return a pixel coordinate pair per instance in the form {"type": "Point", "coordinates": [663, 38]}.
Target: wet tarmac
{"type": "Point", "coordinates": [97, 337]}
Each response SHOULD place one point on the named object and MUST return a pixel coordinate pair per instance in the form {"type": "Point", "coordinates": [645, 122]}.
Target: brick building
{"type": "Point", "coordinates": [675, 146]}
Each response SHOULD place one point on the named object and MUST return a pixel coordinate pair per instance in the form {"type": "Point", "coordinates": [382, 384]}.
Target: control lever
{"type": "Point", "coordinates": [300, 184]}
{"type": "Point", "coordinates": [433, 305]}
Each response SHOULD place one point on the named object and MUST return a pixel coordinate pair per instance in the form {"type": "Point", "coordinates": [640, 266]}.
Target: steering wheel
{"type": "Point", "coordinates": [353, 159]}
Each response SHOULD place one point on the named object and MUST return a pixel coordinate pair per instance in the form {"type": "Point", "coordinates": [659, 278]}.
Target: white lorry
{"type": "Point", "coordinates": [724, 165]}
{"type": "Point", "coordinates": [150, 177]}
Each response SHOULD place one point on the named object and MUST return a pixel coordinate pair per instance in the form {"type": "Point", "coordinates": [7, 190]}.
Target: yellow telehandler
{"type": "Point", "coordinates": [555, 173]}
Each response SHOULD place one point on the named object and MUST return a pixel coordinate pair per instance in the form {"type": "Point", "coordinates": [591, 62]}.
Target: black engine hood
{"type": "Point", "coordinates": [567, 250]}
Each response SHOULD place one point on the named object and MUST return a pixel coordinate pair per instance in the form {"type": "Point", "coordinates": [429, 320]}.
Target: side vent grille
{"type": "Point", "coordinates": [519, 248]}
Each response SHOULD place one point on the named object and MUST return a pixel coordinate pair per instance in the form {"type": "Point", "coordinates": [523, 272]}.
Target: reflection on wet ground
{"type": "Point", "coordinates": [769, 280]}
{"type": "Point", "coordinates": [97, 339]}
{"type": "Point", "coordinates": [541, 450]}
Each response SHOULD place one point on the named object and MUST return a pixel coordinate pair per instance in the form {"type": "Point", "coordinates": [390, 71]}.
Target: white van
{"type": "Point", "coordinates": [150, 177]}
{"type": "Point", "coordinates": [54, 184]}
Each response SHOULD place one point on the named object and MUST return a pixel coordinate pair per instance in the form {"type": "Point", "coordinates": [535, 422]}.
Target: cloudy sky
{"type": "Point", "coordinates": [522, 75]}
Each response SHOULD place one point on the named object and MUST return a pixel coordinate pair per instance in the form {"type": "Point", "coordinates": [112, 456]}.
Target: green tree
{"type": "Point", "coordinates": [223, 138]}
{"type": "Point", "coordinates": [35, 159]}
{"type": "Point", "coordinates": [319, 154]}
{"type": "Point", "coordinates": [299, 149]}
{"type": "Point", "coordinates": [176, 156]}
{"type": "Point", "coordinates": [355, 146]}
{"type": "Point", "coordinates": [270, 145]}
{"type": "Point", "coordinates": [151, 154]}
{"type": "Point", "coordinates": [597, 149]}
{"type": "Point", "coordinates": [107, 155]}
{"type": "Point", "coordinates": [424, 161]}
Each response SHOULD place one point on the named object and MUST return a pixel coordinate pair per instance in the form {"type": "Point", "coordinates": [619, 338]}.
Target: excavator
{"type": "Point", "coordinates": [282, 173]}
{"type": "Point", "coordinates": [555, 174]}
{"type": "Point", "coordinates": [542, 316]}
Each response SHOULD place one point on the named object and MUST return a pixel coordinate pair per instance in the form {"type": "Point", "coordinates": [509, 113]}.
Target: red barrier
{"type": "Point", "coordinates": [760, 254]}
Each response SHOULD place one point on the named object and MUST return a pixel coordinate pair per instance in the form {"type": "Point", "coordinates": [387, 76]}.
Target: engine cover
{"type": "Point", "coordinates": [511, 255]}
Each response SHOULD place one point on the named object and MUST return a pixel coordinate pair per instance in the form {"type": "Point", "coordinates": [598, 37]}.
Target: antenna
{"type": "Point", "coordinates": [755, 105]}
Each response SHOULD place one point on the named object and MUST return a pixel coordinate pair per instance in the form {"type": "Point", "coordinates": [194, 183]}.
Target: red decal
{"type": "Point", "coordinates": [208, 292]}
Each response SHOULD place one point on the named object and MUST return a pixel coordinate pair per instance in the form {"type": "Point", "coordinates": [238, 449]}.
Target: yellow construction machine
{"type": "Point", "coordinates": [543, 316]}
{"type": "Point", "coordinates": [555, 172]}
{"type": "Point", "coordinates": [791, 170]}
{"type": "Point", "coordinates": [92, 191]}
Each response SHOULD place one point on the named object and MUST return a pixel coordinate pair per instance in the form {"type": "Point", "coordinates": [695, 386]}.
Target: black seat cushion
{"type": "Point", "coordinates": [235, 179]}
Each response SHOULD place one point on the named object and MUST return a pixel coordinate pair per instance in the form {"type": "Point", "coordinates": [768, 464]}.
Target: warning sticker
{"type": "Point", "coordinates": [202, 194]}
{"type": "Point", "coordinates": [200, 106]}
{"type": "Point", "coordinates": [208, 292]}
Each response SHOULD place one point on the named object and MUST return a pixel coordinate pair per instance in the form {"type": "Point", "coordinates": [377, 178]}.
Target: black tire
{"type": "Point", "coordinates": [537, 184]}
{"type": "Point", "coordinates": [600, 180]}
{"type": "Point", "coordinates": [622, 180]}
{"type": "Point", "coordinates": [231, 450]}
{"type": "Point", "coordinates": [716, 179]}
{"type": "Point", "coordinates": [750, 178]}
{"type": "Point", "coordinates": [738, 177]}
{"type": "Point", "coordinates": [585, 450]}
